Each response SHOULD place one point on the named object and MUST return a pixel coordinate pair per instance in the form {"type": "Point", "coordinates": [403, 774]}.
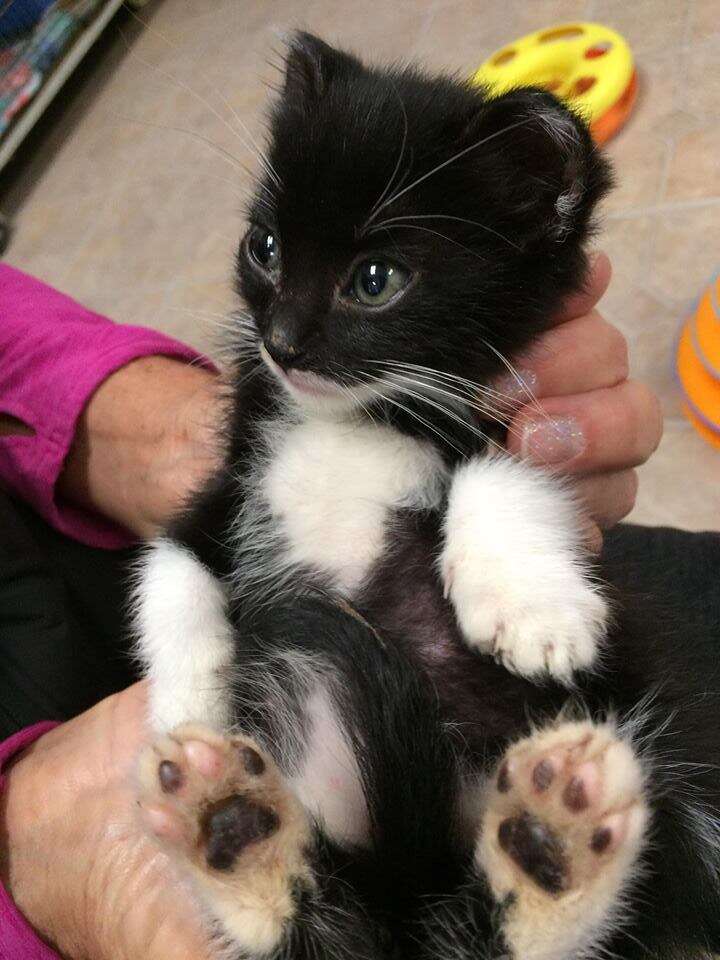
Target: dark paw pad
{"type": "Point", "coordinates": [170, 776]}
{"type": "Point", "coordinates": [575, 796]}
{"type": "Point", "coordinates": [536, 850]}
{"type": "Point", "coordinates": [252, 761]}
{"type": "Point", "coordinates": [601, 840]}
{"type": "Point", "coordinates": [504, 783]}
{"type": "Point", "coordinates": [231, 825]}
{"type": "Point", "coordinates": [543, 776]}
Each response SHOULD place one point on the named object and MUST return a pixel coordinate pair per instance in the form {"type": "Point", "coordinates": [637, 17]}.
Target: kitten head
{"type": "Point", "coordinates": [410, 229]}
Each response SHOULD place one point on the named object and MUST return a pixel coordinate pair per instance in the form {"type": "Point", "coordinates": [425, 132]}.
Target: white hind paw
{"type": "Point", "coordinates": [564, 825]}
{"type": "Point", "coordinates": [221, 808]}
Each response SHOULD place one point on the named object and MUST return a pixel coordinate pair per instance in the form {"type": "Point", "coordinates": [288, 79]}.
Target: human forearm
{"type": "Point", "coordinates": [55, 355]}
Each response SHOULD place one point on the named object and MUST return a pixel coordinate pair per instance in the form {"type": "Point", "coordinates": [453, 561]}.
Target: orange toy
{"type": "Point", "coordinates": [609, 123]}
{"type": "Point", "coordinates": [698, 365]}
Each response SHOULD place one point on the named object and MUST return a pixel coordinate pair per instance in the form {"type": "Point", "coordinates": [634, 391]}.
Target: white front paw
{"type": "Point", "coordinates": [539, 617]}
{"type": "Point", "coordinates": [515, 569]}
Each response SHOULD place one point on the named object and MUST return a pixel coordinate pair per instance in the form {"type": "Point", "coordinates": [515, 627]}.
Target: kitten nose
{"type": "Point", "coordinates": [284, 353]}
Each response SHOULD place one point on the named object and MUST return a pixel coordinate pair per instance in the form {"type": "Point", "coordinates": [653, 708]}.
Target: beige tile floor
{"type": "Point", "coordinates": [139, 220]}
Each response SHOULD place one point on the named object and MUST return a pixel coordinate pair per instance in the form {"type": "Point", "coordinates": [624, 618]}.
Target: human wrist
{"type": "Point", "coordinates": [143, 441]}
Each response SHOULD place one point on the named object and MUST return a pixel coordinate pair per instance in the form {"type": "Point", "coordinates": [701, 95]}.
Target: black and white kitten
{"type": "Point", "coordinates": [368, 603]}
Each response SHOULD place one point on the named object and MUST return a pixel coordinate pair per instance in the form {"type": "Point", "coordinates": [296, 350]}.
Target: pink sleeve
{"type": "Point", "coordinates": [54, 354]}
{"type": "Point", "coordinates": [18, 941]}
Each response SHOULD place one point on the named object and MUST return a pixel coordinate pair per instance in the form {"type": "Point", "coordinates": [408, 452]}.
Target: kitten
{"type": "Point", "coordinates": [363, 608]}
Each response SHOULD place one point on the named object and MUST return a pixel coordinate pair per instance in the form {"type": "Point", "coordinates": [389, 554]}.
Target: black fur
{"type": "Point", "coordinates": [491, 256]}
{"type": "Point", "coordinates": [499, 247]}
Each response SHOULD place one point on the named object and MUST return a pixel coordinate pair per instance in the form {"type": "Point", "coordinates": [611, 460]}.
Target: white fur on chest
{"type": "Point", "coordinates": [331, 487]}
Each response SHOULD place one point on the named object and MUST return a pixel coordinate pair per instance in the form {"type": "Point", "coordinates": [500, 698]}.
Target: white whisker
{"type": "Point", "coordinates": [497, 395]}
{"type": "Point", "coordinates": [453, 416]}
{"type": "Point", "coordinates": [416, 416]}
{"type": "Point", "coordinates": [483, 410]}
{"type": "Point", "coordinates": [411, 226]}
{"type": "Point", "coordinates": [444, 216]}
{"type": "Point", "coordinates": [518, 379]}
{"type": "Point", "coordinates": [193, 134]}
{"type": "Point", "coordinates": [466, 394]}
{"type": "Point", "coordinates": [388, 185]}
{"type": "Point", "coordinates": [445, 163]}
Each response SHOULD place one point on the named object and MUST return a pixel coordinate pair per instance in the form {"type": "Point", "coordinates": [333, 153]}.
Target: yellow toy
{"type": "Point", "coordinates": [586, 64]}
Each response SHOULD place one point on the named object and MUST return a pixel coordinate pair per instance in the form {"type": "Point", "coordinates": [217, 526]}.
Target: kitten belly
{"type": "Point", "coordinates": [355, 508]}
{"type": "Point", "coordinates": [404, 600]}
{"type": "Point", "coordinates": [331, 488]}
{"type": "Point", "coordinates": [327, 780]}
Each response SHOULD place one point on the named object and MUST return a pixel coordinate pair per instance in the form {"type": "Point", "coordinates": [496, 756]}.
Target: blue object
{"type": "Point", "coordinates": [20, 16]}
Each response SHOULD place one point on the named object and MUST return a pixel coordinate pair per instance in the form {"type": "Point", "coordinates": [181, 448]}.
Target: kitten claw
{"type": "Point", "coordinates": [553, 635]}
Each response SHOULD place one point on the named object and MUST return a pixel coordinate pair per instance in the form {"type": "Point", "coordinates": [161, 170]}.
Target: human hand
{"type": "Point", "coordinates": [592, 422]}
{"type": "Point", "coordinates": [73, 851]}
{"type": "Point", "coordinates": [145, 440]}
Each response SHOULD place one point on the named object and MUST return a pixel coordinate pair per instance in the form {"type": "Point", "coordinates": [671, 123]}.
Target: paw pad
{"type": "Point", "coordinates": [601, 840]}
{"type": "Point", "coordinates": [536, 849]}
{"type": "Point", "coordinates": [210, 794]}
{"type": "Point", "coordinates": [224, 811]}
{"type": "Point", "coordinates": [575, 795]}
{"type": "Point", "coordinates": [543, 775]}
{"type": "Point", "coordinates": [231, 825]}
{"type": "Point", "coordinates": [568, 804]}
{"type": "Point", "coordinates": [252, 761]}
{"type": "Point", "coordinates": [170, 776]}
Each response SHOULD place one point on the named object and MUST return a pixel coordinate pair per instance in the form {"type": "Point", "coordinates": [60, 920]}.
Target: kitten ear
{"type": "Point", "coordinates": [550, 173]}
{"type": "Point", "coordinates": [311, 65]}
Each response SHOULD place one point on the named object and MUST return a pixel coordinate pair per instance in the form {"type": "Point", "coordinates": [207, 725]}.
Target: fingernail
{"type": "Point", "coordinates": [516, 388]}
{"type": "Point", "coordinates": [554, 440]}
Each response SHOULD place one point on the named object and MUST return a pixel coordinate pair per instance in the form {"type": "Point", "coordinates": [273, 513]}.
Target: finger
{"type": "Point", "coordinates": [593, 538]}
{"type": "Point", "coordinates": [581, 355]}
{"type": "Point", "coordinates": [610, 429]}
{"type": "Point", "coordinates": [609, 497]}
{"type": "Point", "coordinates": [595, 285]}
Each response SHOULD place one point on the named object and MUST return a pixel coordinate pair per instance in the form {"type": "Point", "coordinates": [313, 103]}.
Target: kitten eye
{"type": "Point", "coordinates": [375, 282]}
{"type": "Point", "coordinates": [264, 248]}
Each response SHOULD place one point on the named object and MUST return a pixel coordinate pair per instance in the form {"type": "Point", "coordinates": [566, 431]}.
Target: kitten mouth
{"type": "Point", "coordinates": [302, 381]}
{"type": "Point", "coordinates": [311, 383]}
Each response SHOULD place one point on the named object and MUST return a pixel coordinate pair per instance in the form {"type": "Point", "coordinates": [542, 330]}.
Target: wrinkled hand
{"type": "Point", "coordinates": [74, 854]}
{"type": "Point", "coordinates": [146, 439]}
{"type": "Point", "coordinates": [592, 422]}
